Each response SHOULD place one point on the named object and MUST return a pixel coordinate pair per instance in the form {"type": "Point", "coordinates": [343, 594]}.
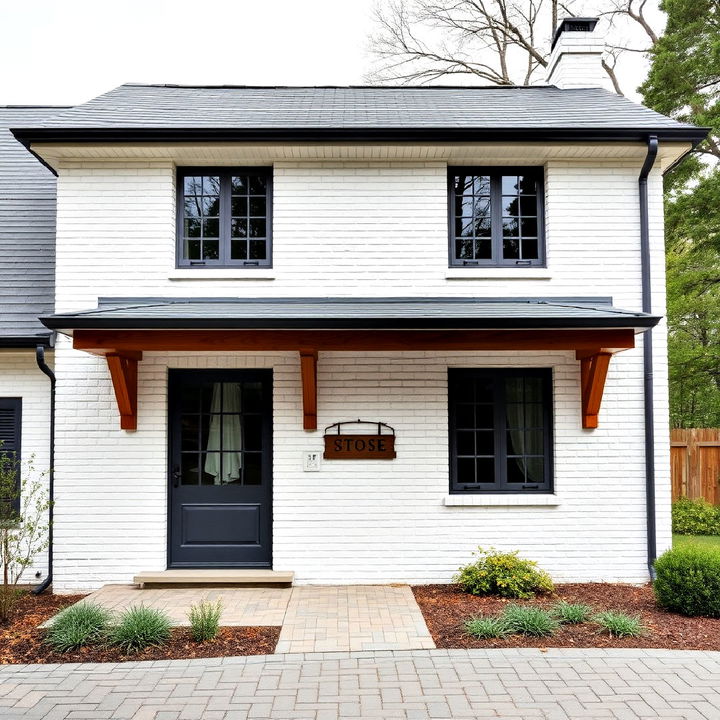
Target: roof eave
{"type": "Point", "coordinates": [28, 136]}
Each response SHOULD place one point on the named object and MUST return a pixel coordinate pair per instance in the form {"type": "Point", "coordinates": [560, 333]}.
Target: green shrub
{"type": "Point", "coordinates": [572, 613]}
{"type": "Point", "coordinates": [82, 624]}
{"type": "Point", "coordinates": [486, 627]}
{"type": "Point", "coordinates": [504, 574]}
{"type": "Point", "coordinates": [619, 624]}
{"type": "Point", "coordinates": [695, 517]}
{"type": "Point", "coordinates": [529, 620]}
{"type": "Point", "coordinates": [688, 580]}
{"type": "Point", "coordinates": [205, 620]}
{"type": "Point", "coordinates": [140, 627]}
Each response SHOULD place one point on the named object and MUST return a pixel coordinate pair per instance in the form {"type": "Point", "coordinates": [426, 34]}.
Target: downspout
{"type": "Point", "coordinates": [648, 391]}
{"type": "Point", "coordinates": [40, 359]}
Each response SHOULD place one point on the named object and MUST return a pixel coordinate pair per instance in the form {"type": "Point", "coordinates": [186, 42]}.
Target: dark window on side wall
{"type": "Point", "coordinates": [500, 430]}
{"type": "Point", "coordinates": [10, 424]}
{"type": "Point", "coordinates": [224, 217]}
{"type": "Point", "coordinates": [496, 217]}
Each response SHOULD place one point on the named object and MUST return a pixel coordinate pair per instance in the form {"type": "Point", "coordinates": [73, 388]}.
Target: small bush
{"type": "Point", "coordinates": [82, 624]}
{"type": "Point", "coordinates": [688, 581]}
{"type": "Point", "coordinates": [205, 620]}
{"type": "Point", "coordinates": [140, 627]}
{"type": "Point", "coordinates": [504, 574]}
{"type": "Point", "coordinates": [528, 620]}
{"type": "Point", "coordinates": [619, 624]}
{"type": "Point", "coordinates": [572, 613]}
{"type": "Point", "coordinates": [486, 627]}
{"type": "Point", "coordinates": [695, 517]}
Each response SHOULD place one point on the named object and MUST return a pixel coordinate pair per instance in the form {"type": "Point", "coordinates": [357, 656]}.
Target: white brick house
{"type": "Point", "coordinates": [238, 269]}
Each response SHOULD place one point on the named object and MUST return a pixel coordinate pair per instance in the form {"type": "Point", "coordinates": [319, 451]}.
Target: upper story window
{"type": "Point", "coordinates": [224, 217]}
{"type": "Point", "coordinates": [496, 216]}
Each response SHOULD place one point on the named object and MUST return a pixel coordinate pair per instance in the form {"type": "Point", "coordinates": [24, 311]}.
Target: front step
{"type": "Point", "coordinates": [199, 577]}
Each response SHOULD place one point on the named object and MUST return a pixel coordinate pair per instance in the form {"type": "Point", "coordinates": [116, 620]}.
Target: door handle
{"type": "Point", "coordinates": [176, 477]}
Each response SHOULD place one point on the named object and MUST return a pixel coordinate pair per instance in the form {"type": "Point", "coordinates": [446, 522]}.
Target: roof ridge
{"type": "Point", "coordinates": [340, 87]}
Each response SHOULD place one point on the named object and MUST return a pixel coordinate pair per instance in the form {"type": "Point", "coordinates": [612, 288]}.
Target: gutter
{"type": "Point", "coordinates": [648, 379]}
{"type": "Point", "coordinates": [40, 359]}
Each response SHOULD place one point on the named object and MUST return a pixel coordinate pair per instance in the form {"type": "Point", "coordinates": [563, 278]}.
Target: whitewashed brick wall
{"type": "Point", "coordinates": [21, 377]}
{"type": "Point", "coordinates": [358, 229]}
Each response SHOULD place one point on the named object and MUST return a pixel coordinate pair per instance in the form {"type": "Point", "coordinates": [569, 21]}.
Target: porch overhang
{"type": "Point", "coordinates": [121, 329]}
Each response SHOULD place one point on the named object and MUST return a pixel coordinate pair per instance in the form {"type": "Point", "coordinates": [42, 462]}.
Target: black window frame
{"type": "Point", "coordinates": [225, 173]}
{"type": "Point", "coordinates": [496, 172]}
{"type": "Point", "coordinates": [14, 404]}
{"type": "Point", "coordinates": [457, 394]}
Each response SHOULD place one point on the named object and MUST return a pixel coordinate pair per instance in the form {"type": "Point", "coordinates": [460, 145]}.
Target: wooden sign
{"type": "Point", "coordinates": [359, 447]}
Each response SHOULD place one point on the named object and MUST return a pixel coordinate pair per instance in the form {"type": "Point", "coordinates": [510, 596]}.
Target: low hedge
{"type": "Point", "coordinates": [688, 581]}
{"type": "Point", "coordinates": [695, 517]}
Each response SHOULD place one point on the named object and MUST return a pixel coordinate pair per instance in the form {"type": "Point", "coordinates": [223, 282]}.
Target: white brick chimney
{"type": "Point", "coordinates": [576, 58]}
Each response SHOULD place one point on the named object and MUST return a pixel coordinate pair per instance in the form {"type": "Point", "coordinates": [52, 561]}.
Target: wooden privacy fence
{"type": "Point", "coordinates": [695, 463]}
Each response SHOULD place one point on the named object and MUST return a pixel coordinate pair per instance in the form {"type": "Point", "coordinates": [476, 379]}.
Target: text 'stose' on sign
{"type": "Point", "coordinates": [359, 447]}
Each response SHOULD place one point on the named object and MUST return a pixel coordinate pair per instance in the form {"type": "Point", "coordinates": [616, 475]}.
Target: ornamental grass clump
{"type": "Point", "coordinates": [572, 613]}
{"type": "Point", "coordinates": [487, 627]}
{"type": "Point", "coordinates": [205, 620]}
{"type": "Point", "coordinates": [140, 627]}
{"type": "Point", "coordinates": [504, 574]}
{"type": "Point", "coordinates": [688, 581]}
{"type": "Point", "coordinates": [528, 620]}
{"type": "Point", "coordinates": [619, 624]}
{"type": "Point", "coordinates": [85, 623]}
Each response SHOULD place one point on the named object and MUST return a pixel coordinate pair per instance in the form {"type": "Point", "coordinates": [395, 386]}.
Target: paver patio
{"type": "Point", "coordinates": [313, 617]}
{"type": "Point", "coordinates": [557, 684]}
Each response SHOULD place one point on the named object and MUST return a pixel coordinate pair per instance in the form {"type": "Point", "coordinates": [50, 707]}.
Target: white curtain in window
{"type": "Point", "coordinates": [516, 422]}
{"type": "Point", "coordinates": [226, 397]}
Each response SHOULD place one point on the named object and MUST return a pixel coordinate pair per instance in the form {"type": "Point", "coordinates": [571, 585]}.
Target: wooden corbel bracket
{"type": "Point", "coordinates": [123, 373]}
{"type": "Point", "coordinates": [308, 372]}
{"type": "Point", "coordinates": [594, 366]}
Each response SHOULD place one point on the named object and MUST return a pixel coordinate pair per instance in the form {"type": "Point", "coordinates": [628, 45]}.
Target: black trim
{"type": "Point", "coordinates": [396, 134]}
{"type": "Point", "coordinates": [496, 173]}
{"type": "Point", "coordinates": [457, 393]}
{"type": "Point", "coordinates": [14, 404]}
{"type": "Point", "coordinates": [225, 172]}
{"type": "Point", "coordinates": [565, 26]}
{"type": "Point", "coordinates": [27, 341]}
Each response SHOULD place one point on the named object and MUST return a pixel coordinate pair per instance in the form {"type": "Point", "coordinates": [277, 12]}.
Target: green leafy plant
{"type": "Point", "coordinates": [688, 580]}
{"type": "Point", "coordinates": [23, 526]}
{"type": "Point", "coordinates": [140, 627]}
{"type": "Point", "coordinates": [205, 620]}
{"type": "Point", "coordinates": [695, 517]}
{"type": "Point", "coordinates": [504, 574]}
{"type": "Point", "coordinates": [85, 623]}
{"type": "Point", "coordinates": [486, 627]}
{"type": "Point", "coordinates": [619, 624]}
{"type": "Point", "coordinates": [528, 620]}
{"type": "Point", "coordinates": [572, 613]}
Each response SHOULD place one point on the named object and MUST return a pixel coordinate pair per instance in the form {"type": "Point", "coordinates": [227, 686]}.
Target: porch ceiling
{"type": "Point", "coordinates": [122, 328]}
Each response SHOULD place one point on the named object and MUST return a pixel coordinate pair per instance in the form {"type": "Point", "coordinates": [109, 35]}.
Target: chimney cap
{"type": "Point", "coordinates": [574, 24]}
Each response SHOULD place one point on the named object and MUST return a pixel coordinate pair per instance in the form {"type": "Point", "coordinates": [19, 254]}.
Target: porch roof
{"type": "Point", "coordinates": [386, 313]}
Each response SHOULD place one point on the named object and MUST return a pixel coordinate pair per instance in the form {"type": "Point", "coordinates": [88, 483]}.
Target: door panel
{"type": "Point", "coordinates": [220, 497]}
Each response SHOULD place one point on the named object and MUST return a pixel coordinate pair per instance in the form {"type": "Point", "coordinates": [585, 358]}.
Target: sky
{"type": "Point", "coordinates": [64, 52]}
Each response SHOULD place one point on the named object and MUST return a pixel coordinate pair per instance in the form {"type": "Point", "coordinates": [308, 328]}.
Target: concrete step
{"type": "Point", "coordinates": [192, 577]}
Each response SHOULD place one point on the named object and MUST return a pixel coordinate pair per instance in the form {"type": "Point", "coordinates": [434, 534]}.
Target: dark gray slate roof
{"type": "Point", "coordinates": [27, 233]}
{"type": "Point", "coordinates": [171, 107]}
{"type": "Point", "coordinates": [354, 313]}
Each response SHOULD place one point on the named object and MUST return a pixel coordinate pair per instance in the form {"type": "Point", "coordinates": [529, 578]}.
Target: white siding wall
{"type": "Point", "coordinates": [358, 229]}
{"type": "Point", "coordinates": [21, 377]}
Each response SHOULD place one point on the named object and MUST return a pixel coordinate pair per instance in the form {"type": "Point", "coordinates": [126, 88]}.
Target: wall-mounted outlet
{"type": "Point", "coordinates": [311, 461]}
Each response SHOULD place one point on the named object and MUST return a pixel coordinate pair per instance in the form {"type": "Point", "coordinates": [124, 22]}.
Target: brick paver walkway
{"type": "Point", "coordinates": [558, 684]}
{"type": "Point", "coordinates": [314, 618]}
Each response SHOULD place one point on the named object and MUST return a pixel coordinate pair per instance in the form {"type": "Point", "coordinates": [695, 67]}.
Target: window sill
{"type": "Point", "coordinates": [502, 500]}
{"type": "Point", "coordinates": [223, 274]}
{"type": "Point", "coordinates": [499, 273]}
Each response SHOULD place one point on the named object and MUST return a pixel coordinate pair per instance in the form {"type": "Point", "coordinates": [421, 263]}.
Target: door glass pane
{"type": "Point", "coordinates": [253, 469]}
{"type": "Point", "coordinates": [189, 469]}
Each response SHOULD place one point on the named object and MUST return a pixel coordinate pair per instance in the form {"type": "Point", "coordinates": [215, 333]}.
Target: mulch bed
{"type": "Point", "coordinates": [446, 607]}
{"type": "Point", "coordinates": [22, 642]}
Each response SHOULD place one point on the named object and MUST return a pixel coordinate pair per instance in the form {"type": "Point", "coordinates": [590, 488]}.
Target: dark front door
{"type": "Point", "coordinates": [220, 496]}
